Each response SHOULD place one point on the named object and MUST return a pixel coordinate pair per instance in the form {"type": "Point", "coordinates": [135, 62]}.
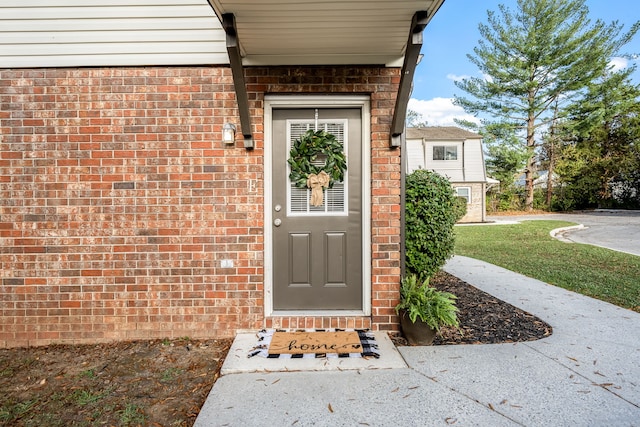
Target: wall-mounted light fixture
{"type": "Point", "coordinates": [229, 133]}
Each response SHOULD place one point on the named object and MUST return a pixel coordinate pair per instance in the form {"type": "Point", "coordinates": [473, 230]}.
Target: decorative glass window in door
{"type": "Point", "coordinates": [334, 198]}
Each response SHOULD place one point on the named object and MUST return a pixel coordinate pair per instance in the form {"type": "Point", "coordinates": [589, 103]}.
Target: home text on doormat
{"type": "Point", "coordinates": [315, 342]}
{"type": "Point", "coordinates": [292, 346]}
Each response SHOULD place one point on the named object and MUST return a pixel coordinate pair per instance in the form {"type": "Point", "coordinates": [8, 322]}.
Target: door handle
{"type": "Point", "coordinates": [277, 222]}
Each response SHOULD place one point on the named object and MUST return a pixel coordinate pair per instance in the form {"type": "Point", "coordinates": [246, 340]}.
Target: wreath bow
{"type": "Point", "coordinates": [316, 184]}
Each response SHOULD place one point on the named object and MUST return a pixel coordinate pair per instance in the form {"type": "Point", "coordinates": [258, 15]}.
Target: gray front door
{"type": "Point", "coordinates": [317, 250]}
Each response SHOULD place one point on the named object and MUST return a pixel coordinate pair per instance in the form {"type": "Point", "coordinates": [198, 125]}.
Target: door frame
{"type": "Point", "coordinates": [272, 102]}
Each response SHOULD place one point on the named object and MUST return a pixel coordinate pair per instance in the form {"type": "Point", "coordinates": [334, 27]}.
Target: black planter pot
{"type": "Point", "coordinates": [416, 333]}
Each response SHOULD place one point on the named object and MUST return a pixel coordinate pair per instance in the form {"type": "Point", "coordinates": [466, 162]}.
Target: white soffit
{"type": "Point", "coordinates": [317, 32]}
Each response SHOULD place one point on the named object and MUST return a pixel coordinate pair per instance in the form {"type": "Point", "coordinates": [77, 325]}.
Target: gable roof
{"type": "Point", "coordinates": [431, 133]}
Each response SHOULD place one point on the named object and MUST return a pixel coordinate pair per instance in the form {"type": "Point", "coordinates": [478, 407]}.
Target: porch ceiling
{"type": "Point", "coordinates": [323, 32]}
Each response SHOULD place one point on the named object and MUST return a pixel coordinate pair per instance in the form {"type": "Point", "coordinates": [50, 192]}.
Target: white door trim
{"type": "Point", "coordinates": [318, 101]}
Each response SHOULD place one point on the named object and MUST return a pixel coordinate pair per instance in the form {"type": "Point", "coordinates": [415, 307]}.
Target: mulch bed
{"type": "Point", "coordinates": [483, 318]}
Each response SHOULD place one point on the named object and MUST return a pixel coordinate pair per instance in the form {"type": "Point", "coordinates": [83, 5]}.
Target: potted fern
{"type": "Point", "coordinates": [423, 310]}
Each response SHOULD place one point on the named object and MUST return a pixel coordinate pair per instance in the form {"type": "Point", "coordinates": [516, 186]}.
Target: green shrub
{"type": "Point", "coordinates": [511, 199]}
{"type": "Point", "coordinates": [430, 216]}
{"type": "Point", "coordinates": [540, 199]}
{"type": "Point", "coordinates": [460, 208]}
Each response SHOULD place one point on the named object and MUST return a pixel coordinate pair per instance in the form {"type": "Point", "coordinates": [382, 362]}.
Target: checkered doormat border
{"type": "Point", "coordinates": [367, 339]}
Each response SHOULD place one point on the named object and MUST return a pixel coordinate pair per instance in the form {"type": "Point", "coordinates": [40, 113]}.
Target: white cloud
{"type": "Point", "coordinates": [618, 63]}
{"type": "Point", "coordinates": [457, 78]}
{"type": "Point", "coordinates": [439, 111]}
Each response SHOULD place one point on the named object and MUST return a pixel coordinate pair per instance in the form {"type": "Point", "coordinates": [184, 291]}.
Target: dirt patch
{"type": "Point", "coordinates": [150, 383]}
{"type": "Point", "coordinates": [165, 383]}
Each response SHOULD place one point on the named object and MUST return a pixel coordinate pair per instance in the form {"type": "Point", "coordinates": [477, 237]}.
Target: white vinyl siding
{"type": "Point", "coordinates": [415, 155]}
{"type": "Point", "coordinates": [67, 33]}
{"type": "Point", "coordinates": [474, 162]}
{"type": "Point", "coordinates": [468, 166]}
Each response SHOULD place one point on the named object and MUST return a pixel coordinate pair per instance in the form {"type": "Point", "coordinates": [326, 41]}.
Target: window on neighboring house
{"type": "Point", "coordinates": [445, 152]}
{"type": "Point", "coordinates": [464, 192]}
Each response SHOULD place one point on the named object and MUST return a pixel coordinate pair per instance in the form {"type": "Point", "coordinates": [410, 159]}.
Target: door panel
{"type": "Point", "coordinates": [300, 253]}
{"type": "Point", "coordinates": [335, 256]}
{"type": "Point", "coordinates": [317, 251]}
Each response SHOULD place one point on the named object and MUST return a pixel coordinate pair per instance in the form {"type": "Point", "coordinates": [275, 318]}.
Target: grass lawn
{"type": "Point", "coordinates": [527, 248]}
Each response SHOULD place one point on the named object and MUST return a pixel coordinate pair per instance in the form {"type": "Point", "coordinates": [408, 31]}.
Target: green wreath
{"type": "Point", "coordinates": [307, 149]}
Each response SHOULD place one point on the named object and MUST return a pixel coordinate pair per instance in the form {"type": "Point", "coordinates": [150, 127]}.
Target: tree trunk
{"type": "Point", "coordinates": [551, 151]}
{"type": "Point", "coordinates": [531, 163]}
{"type": "Point", "coordinates": [528, 180]}
{"type": "Point", "coordinates": [550, 177]}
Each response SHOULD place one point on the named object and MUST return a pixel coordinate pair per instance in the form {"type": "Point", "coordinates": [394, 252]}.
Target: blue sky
{"type": "Point", "coordinates": [453, 33]}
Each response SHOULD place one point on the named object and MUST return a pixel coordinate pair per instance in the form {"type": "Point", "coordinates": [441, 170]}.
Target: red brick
{"type": "Point", "coordinates": [120, 283]}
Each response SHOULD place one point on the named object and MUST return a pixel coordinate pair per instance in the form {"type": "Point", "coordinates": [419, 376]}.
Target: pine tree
{"type": "Point", "coordinates": [535, 58]}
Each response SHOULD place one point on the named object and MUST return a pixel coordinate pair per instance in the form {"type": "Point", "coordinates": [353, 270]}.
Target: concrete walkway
{"type": "Point", "coordinates": [586, 374]}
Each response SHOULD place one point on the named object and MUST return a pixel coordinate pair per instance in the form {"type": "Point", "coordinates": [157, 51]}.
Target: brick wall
{"type": "Point", "coordinates": [475, 209]}
{"type": "Point", "coordinates": [382, 86]}
{"type": "Point", "coordinates": [118, 202]}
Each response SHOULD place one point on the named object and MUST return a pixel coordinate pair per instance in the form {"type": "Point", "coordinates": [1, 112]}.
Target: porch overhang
{"type": "Point", "coordinates": [316, 32]}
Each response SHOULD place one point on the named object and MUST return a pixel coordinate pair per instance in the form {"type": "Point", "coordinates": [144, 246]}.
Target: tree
{"type": "Point", "coordinates": [549, 150]}
{"type": "Point", "coordinates": [542, 55]}
{"type": "Point", "coordinates": [601, 156]}
{"type": "Point", "coordinates": [415, 120]}
{"type": "Point", "coordinates": [506, 158]}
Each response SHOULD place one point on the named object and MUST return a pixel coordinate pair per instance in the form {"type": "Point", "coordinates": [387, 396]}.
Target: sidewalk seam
{"type": "Point", "coordinates": [488, 405]}
{"type": "Point", "coordinates": [593, 383]}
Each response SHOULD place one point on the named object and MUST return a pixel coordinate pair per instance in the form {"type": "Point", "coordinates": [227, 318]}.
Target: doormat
{"type": "Point", "coordinates": [317, 343]}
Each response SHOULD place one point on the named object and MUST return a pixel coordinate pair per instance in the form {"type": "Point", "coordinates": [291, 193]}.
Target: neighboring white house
{"type": "Point", "coordinates": [456, 154]}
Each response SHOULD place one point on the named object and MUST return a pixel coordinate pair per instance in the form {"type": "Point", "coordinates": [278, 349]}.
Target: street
{"type": "Point", "coordinates": [613, 229]}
